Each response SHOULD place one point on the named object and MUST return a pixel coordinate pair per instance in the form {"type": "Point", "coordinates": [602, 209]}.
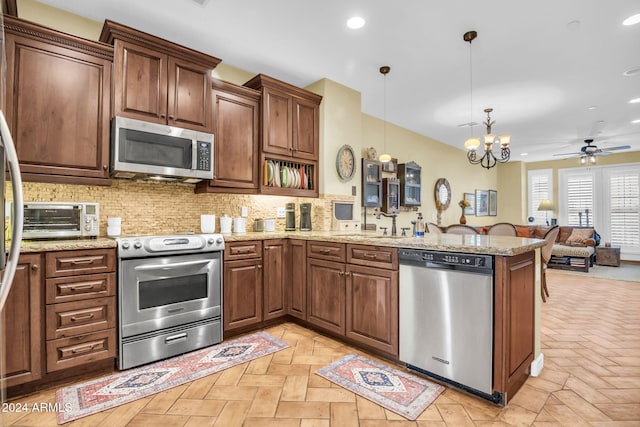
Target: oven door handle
{"type": "Point", "coordinates": [170, 266]}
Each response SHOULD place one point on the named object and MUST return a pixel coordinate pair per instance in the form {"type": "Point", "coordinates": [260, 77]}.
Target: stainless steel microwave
{"type": "Point", "coordinates": [144, 150]}
{"type": "Point", "coordinates": [60, 220]}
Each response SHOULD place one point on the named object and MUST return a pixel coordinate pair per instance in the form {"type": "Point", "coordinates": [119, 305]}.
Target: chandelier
{"type": "Point", "coordinates": [487, 160]}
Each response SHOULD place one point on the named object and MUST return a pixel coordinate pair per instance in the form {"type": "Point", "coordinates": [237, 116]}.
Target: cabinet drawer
{"type": "Point", "coordinates": [373, 256]}
{"type": "Point", "coordinates": [68, 352]}
{"type": "Point", "coordinates": [243, 250]}
{"type": "Point", "coordinates": [71, 263]}
{"type": "Point", "coordinates": [326, 250]}
{"type": "Point", "coordinates": [80, 317]}
{"type": "Point", "coordinates": [75, 288]}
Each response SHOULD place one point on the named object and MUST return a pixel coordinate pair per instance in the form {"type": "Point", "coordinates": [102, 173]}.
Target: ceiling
{"type": "Point", "coordinates": [540, 65]}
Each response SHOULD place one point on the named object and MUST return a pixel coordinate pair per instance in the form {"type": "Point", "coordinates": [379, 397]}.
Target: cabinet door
{"type": "Point", "coordinates": [276, 122]}
{"type": "Point", "coordinates": [325, 294]}
{"type": "Point", "coordinates": [140, 83]}
{"type": "Point", "coordinates": [298, 280]}
{"type": "Point", "coordinates": [188, 100]}
{"type": "Point", "coordinates": [372, 307]}
{"type": "Point", "coordinates": [306, 118]}
{"type": "Point", "coordinates": [242, 293]}
{"type": "Point", "coordinates": [58, 102]}
{"type": "Point", "coordinates": [514, 321]}
{"type": "Point", "coordinates": [22, 323]}
{"type": "Point", "coordinates": [274, 267]}
{"type": "Point", "coordinates": [236, 127]}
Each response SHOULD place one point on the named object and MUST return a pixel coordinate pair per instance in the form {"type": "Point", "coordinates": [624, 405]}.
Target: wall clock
{"type": "Point", "coordinates": [346, 162]}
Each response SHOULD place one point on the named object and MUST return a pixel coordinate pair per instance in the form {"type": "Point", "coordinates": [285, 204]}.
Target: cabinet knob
{"type": "Point", "coordinates": [105, 167]}
{"type": "Point", "coordinates": [172, 117]}
{"type": "Point", "coordinates": [163, 115]}
{"type": "Point", "coordinates": [35, 267]}
{"type": "Point", "coordinates": [259, 267]}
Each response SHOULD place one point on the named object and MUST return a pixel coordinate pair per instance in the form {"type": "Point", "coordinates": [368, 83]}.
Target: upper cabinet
{"type": "Point", "coordinates": [290, 129]}
{"type": "Point", "coordinates": [236, 121]}
{"type": "Point", "coordinates": [57, 103]}
{"type": "Point", "coordinates": [159, 81]}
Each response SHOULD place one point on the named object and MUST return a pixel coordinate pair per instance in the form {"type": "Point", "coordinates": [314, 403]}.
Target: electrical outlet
{"type": "Point", "coordinates": [244, 212]}
{"type": "Point", "coordinates": [280, 213]}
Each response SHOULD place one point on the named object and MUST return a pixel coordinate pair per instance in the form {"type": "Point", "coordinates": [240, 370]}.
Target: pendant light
{"type": "Point", "coordinates": [385, 158]}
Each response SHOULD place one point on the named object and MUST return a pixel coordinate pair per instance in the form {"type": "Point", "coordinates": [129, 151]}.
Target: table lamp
{"type": "Point", "coordinates": [546, 205]}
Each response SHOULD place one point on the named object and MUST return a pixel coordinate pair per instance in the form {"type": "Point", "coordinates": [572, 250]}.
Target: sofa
{"type": "Point", "coordinates": [574, 248]}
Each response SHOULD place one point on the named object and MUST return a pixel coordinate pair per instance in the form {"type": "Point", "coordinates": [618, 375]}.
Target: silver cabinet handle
{"type": "Point", "coordinates": [170, 266]}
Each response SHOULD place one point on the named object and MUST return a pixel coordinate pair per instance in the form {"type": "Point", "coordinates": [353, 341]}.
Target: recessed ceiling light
{"type": "Point", "coordinates": [355, 22]}
{"type": "Point", "coordinates": [634, 101]}
{"type": "Point", "coordinates": [524, 154]}
{"type": "Point", "coordinates": [636, 121]}
{"type": "Point", "coordinates": [632, 72]}
{"type": "Point", "coordinates": [632, 20]}
{"type": "Point", "coordinates": [592, 107]}
{"type": "Point", "coordinates": [573, 25]}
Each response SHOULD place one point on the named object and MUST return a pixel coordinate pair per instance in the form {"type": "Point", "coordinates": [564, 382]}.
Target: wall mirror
{"type": "Point", "coordinates": [442, 194]}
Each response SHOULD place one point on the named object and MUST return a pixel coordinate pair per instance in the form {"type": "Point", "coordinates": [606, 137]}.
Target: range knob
{"type": "Point", "coordinates": [219, 240]}
{"type": "Point", "coordinates": [210, 241]}
{"type": "Point", "coordinates": [137, 245]}
{"type": "Point", "coordinates": [125, 245]}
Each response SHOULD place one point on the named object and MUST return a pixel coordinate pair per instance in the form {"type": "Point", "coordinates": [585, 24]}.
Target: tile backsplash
{"type": "Point", "coordinates": [161, 208]}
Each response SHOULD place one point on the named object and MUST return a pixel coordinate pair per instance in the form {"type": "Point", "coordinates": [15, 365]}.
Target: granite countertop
{"type": "Point", "coordinates": [480, 244]}
{"type": "Point", "coordinates": [28, 246]}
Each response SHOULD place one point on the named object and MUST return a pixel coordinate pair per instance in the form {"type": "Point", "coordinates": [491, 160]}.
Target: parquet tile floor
{"type": "Point", "coordinates": [591, 345]}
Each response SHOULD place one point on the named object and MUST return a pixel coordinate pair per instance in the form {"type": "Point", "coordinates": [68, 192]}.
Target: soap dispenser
{"type": "Point", "coordinates": [419, 225]}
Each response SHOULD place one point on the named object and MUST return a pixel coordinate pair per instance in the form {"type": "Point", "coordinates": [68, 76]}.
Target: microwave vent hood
{"type": "Point", "coordinates": [156, 152]}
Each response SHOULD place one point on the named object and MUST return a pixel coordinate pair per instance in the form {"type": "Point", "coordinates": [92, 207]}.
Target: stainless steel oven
{"type": "Point", "coordinates": [170, 296]}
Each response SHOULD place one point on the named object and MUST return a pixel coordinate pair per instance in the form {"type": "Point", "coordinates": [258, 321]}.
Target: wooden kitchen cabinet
{"type": "Point", "coordinates": [513, 322]}
{"type": "Point", "coordinates": [159, 81]}
{"type": "Point", "coordinates": [22, 323]}
{"type": "Point", "coordinates": [236, 120]}
{"type": "Point", "coordinates": [372, 307]}
{"type": "Point", "coordinates": [297, 295]}
{"type": "Point", "coordinates": [290, 135]}
{"type": "Point", "coordinates": [80, 310]}
{"type": "Point", "coordinates": [274, 257]}
{"type": "Point", "coordinates": [243, 285]}
{"type": "Point", "coordinates": [372, 297]}
{"type": "Point", "coordinates": [326, 283]}
{"type": "Point", "coordinates": [58, 104]}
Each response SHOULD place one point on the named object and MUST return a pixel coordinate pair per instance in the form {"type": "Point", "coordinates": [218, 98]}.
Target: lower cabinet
{"type": "Point", "coordinates": [514, 322]}
{"type": "Point", "coordinates": [80, 307]}
{"type": "Point", "coordinates": [326, 294]}
{"type": "Point", "coordinates": [372, 307]}
{"type": "Point", "coordinates": [352, 290]}
{"type": "Point", "coordinates": [275, 273]}
{"type": "Point", "coordinates": [297, 281]}
{"type": "Point", "coordinates": [22, 323]}
{"type": "Point", "coordinates": [242, 293]}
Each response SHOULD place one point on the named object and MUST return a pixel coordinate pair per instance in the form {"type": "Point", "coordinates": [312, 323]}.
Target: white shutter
{"type": "Point", "coordinates": [624, 213]}
{"type": "Point", "coordinates": [540, 185]}
{"type": "Point", "coordinates": [579, 206]}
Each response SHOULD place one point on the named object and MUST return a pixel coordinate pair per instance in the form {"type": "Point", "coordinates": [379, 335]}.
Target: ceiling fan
{"type": "Point", "coordinates": [589, 151]}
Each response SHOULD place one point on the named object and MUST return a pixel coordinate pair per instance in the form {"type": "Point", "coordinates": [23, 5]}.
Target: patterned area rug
{"type": "Point", "coordinates": [400, 392]}
{"type": "Point", "coordinates": [104, 393]}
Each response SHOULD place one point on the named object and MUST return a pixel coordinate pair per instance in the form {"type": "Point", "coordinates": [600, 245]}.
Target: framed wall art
{"type": "Point", "coordinates": [482, 203]}
{"type": "Point", "coordinates": [471, 209]}
{"type": "Point", "coordinates": [493, 203]}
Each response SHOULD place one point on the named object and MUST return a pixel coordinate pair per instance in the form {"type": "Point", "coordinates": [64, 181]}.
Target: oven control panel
{"type": "Point", "coordinates": [143, 246]}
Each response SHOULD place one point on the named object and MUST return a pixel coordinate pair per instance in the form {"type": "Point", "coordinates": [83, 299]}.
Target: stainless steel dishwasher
{"type": "Point", "coordinates": [446, 317]}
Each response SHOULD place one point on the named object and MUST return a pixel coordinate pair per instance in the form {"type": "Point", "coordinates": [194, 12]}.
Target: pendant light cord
{"type": "Point", "coordinates": [470, 91]}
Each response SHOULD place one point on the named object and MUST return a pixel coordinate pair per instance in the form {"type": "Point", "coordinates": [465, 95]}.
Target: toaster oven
{"type": "Point", "coordinates": [60, 220]}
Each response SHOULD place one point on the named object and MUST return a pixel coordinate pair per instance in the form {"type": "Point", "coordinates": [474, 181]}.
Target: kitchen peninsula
{"type": "Point", "coordinates": [327, 281]}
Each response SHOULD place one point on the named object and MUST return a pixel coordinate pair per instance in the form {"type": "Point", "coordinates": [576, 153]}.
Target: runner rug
{"type": "Point", "coordinates": [104, 393]}
{"type": "Point", "coordinates": [397, 391]}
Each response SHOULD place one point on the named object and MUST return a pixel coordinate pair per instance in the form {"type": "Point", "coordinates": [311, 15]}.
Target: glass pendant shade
{"type": "Point", "coordinates": [505, 140]}
{"type": "Point", "coordinates": [472, 144]}
{"type": "Point", "coordinates": [385, 158]}
{"type": "Point", "coordinates": [489, 138]}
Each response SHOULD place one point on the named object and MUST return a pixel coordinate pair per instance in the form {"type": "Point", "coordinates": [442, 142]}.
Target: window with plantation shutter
{"type": "Point", "coordinates": [540, 185]}
{"type": "Point", "coordinates": [611, 194]}
{"type": "Point", "coordinates": [624, 208]}
{"type": "Point", "coordinates": [580, 200]}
